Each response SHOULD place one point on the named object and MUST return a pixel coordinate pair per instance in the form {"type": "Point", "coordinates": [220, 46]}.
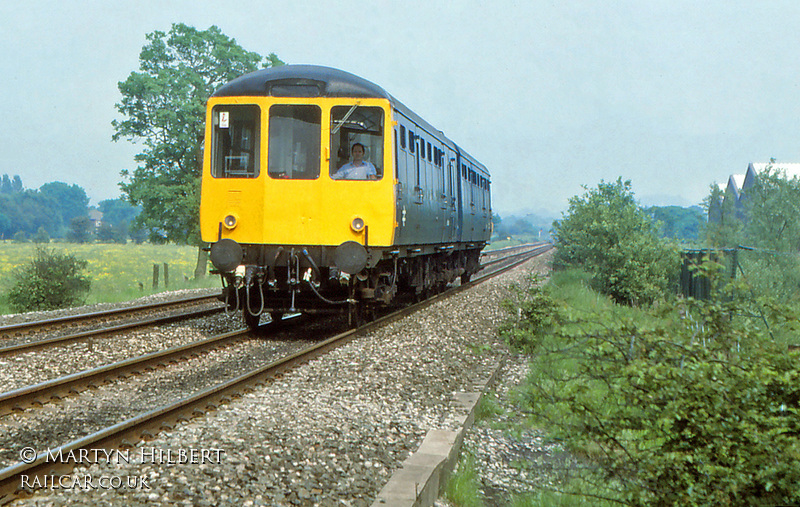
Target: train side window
{"type": "Point", "coordinates": [351, 125]}
{"type": "Point", "coordinates": [294, 141]}
{"type": "Point", "coordinates": [429, 152]}
{"type": "Point", "coordinates": [402, 137]}
{"type": "Point", "coordinates": [422, 148]}
{"type": "Point", "coordinates": [411, 142]}
{"type": "Point", "coordinates": [235, 141]}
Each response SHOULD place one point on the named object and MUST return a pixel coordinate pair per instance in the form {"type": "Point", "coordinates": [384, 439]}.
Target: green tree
{"type": "Point", "coordinates": [678, 223]}
{"type": "Point", "coordinates": [50, 281]}
{"type": "Point", "coordinates": [164, 106]}
{"type": "Point", "coordinates": [108, 233]}
{"type": "Point", "coordinates": [41, 236]}
{"type": "Point", "coordinates": [71, 200]}
{"type": "Point", "coordinates": [118, 212]}
{"type": "Point", "coordinates": [9, 186]}
{"type": "Point", "coordinates": [80, 230]}
{"type": "Point", "coordinates": [497, 224]}
{"type": "Point", "coordinates": [609, 235]}
{"type": "Point", "coordinates": [724, 227]}
{"type": "Point", "coordinates": [27, 211]}
{"type": "Point", "coordinates": [772, 210]}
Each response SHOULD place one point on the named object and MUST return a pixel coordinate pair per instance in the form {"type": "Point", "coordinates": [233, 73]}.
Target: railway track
{"type": "Point", "coordinates": [145, 315]}
{"type": "Point", "coordinates": [144, 425]}
{"type": "Point", "coordinates": [9, 332]}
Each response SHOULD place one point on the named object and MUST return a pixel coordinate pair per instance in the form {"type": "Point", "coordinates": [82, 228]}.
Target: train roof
{"type": "Point", "coordinates": [319, 81]}
{"type": "Point", "coordinates": [302, 81]}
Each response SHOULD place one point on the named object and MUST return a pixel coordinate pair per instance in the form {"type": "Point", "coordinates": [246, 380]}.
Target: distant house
{"type": "Point", "coordinates": [96, 217]}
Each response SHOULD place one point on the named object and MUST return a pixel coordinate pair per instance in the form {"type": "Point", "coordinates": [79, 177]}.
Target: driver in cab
{"type": "Point", "coordinates": [358, 169]}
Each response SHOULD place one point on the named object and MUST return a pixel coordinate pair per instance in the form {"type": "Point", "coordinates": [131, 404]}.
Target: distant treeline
{"type": "Point", "coordinates": [679, 223]}
{"type": "Point", "coordinates": [674, 222]}
{"type": "Point", "coordinates": [59, 210]}
{"type": "Point", "coordinates": [528, 226]}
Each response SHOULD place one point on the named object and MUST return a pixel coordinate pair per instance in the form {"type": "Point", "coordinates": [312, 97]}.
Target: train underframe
{"type": "Point", "coordinates": [277, 280]}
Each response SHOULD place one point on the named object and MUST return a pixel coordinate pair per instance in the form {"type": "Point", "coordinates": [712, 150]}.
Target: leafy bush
{"type": "Point", "coordinates": [536, 312]}
{"type": "Point", "coordinates": [50, 281]}
{"type": "Point", "coordinates": [685, 404]}
{"type": "Point", "coordinates": [606, 233]}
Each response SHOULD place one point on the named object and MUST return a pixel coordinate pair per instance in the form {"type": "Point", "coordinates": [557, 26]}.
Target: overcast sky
{"type": "Point", "coordinates": [549, 95]}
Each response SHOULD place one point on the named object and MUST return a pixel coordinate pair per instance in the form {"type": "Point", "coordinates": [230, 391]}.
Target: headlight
{"type": "Point", "coordinates": [230, 221]}
{"type": "Point", "coordinates": [357, 224]}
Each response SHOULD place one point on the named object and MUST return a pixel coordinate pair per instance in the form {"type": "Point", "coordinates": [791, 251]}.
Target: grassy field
{"type": "Point", "coordinates": [118, 272]}
{"type": "Point", "coordinates": [125, 272]}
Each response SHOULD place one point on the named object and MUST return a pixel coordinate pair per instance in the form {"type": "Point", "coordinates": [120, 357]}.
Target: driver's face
{"type": "Point", "coordinates": [358, 153]}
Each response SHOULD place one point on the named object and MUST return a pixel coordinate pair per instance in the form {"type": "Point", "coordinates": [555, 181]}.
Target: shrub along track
{"type": "Point", "coordinates": [145, 425]}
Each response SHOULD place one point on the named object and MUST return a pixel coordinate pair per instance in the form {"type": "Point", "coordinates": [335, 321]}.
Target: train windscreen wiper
{"type": "Point", "coordinates": [343, 120]}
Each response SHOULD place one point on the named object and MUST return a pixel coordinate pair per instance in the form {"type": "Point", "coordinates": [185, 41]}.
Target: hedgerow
{"type": "Point", "coordinates": [688, 403]}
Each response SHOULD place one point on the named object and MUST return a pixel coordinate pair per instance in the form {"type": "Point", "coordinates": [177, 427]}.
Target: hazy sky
{"type": "Point", "coordinates": [549, 95]}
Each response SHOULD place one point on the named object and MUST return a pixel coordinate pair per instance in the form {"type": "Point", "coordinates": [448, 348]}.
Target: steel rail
{"type": "Point", "coordinates": [538, 247]}
{"type": "Point", "coordinates": [144, 426]}
{"type": "Point", "coordinates": [514, 248]}
{"type": "Point", "coordinates": [56, 389]}
{"type": "Point", "coordinates": [95, 333]}
{"type": "Point", "coordinates": [19, 327]}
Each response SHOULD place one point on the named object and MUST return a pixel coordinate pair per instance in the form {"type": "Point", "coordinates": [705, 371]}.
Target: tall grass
{"type": "Point", "coordinates": [462, 487]}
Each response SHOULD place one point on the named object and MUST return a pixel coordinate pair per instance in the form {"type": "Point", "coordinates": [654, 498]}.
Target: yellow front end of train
{"type": "Point", "coordinates": [271, 172]}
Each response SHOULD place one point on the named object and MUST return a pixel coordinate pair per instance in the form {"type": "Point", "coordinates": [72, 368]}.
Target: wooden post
{"type": "Point", "coordinates": [155, 276]}
{"type": "Point", "coordinates": [166, 275]}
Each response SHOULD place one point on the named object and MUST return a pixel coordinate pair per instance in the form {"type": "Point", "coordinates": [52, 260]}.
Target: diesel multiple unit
{"type": "Point", "coordinates": [293, 231]}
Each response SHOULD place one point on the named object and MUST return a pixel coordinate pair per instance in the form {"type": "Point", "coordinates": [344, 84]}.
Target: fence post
{"type": "Point", "coordinates": [155, 276]}
{"type": "Point", "coordinates": [166, 275]}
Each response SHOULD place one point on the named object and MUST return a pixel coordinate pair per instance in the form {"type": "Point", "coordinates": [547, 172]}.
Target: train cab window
{"type": "Point", "coordinates": [235, 141]}
{"type": "Point", "coordinates": [294, 141]}
{"type": "Point", "coordinates": [351, 125]}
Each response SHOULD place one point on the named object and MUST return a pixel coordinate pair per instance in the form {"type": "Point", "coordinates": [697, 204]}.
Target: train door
{"type": "Point", "coordinates": [411, 216]}
{"type": "Point", "coordinates": [441, 189]}
{"type": "Point", "coordinates": [408, 182]}
{"type": "Point", "coordinates": [459, 200]}
{"type": "Point", "coordinates": [450, 195]}
{"type": "Point", "coordinates": [400, 177]}
{"type": "Point", "coordinates": [429, 209]}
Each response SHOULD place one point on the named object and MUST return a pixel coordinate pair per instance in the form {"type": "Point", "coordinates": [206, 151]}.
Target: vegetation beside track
{"type": "Point", "coordinates": [659, 399]}
{"type": "Point", "coordinates": [117, 272]}
{"type": "Point", "coordinates": [683, 403]}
